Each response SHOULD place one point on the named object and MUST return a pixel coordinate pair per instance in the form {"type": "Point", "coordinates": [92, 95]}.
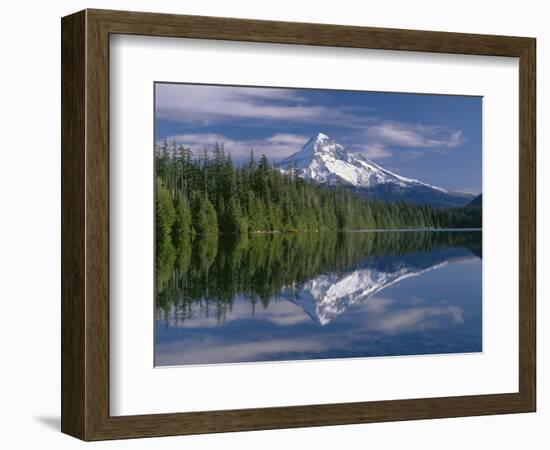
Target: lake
{"type": "Point", "coordinates": [301, 296]}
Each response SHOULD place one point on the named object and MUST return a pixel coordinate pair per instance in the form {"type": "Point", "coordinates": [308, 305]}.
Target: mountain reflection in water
{"type": "Point", "coordinates": [272, 297]}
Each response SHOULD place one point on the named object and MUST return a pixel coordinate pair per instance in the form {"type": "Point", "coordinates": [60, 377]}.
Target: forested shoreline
{"type": "Point", "coordinates": [208, 194]}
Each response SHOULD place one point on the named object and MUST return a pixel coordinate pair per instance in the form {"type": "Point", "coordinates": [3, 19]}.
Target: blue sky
{"type": "Point", "coordinates": [434, 138]}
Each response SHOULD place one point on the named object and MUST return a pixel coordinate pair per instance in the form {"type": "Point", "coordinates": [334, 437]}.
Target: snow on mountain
{"type": "Point", "coordinates": [325, 161]}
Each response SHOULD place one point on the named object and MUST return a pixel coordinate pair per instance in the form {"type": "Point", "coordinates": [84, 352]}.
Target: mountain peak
{"type": "Point", "coordinates": [321, 137]}
{"type": "Point", "coordinates": [317, 143]}
{"type": "Point", "coordinates": [325, 161]}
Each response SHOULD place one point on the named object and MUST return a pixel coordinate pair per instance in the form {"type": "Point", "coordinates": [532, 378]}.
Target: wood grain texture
{"type": "Point", "coordinates": [73, 112]}
{"type": "Point", "coordinates": [527, 223]}
{"type": "Point", "coordinates": [85, 224]}
{"type": "Point", "coordinates": [201, 27]}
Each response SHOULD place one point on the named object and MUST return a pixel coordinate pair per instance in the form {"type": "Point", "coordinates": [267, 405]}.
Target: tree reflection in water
{"type": "Point", "coordinates": [205, 274]}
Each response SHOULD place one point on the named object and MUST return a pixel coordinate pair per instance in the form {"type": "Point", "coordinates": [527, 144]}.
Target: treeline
{"type": "Point", "coordinates": [208, 194]}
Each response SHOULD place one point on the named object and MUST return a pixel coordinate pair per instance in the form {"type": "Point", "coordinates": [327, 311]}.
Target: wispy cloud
{"type": "Point", "coordinates": [404, 141]}
{"type": "Point", "coordinates": [274, 147]}
{"type": "Point", "coordinates": [413, 135]}
{"type": "Point", "coordinates": [207, 105]}
{"type": "Point", "coordinates": [374, 150]}
{"type": "Point", "coordinates": [198, 106]}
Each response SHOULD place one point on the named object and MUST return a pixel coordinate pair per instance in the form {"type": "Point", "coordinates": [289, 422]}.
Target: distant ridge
{"type": "Point", "coordinates": [476, 202]}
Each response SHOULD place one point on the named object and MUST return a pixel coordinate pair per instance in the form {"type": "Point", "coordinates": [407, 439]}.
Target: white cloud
{"type": "Point", "coordinates": [413, 135]}
{"type": "Point", "coordinates": [274, 147]}
{"type": "Point", "coordinates": [206, 105]}
{"type": "Point", "coordinates": [373, 150]}
{"type": "Point", "coordinates": [285, 138]}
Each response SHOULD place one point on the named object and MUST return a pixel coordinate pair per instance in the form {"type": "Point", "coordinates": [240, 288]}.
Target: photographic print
{"type": "Point", "coordinates": [305, 224]}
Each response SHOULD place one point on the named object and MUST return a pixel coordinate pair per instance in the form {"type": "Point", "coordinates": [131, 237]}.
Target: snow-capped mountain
{"type": "Point", "coordinates": [327, 162]}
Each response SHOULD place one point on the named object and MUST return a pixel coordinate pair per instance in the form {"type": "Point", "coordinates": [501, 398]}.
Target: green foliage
{"type": "Point", "coordinates": [262, 266]}
{"type": "Point", "coordinates": [236, 222]}
{"type": "Point", "coordinates": [200, 201]}
{"type": "Point", "coordinates": [182, 224]}
{"type": "Point", "coordinates": [164, 211]}
{"type": "Point", "coordinates": [205, 219]}
{"type": "Point", "coordinates": [257, 197]}
{"type": "Point", "coordinates": [166, 256]}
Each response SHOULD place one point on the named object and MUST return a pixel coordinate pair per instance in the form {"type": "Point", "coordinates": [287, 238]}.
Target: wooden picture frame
{"type": "Point", "coordinates": [85, 224]}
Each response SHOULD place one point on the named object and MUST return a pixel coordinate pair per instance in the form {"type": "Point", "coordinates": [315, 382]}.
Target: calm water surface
{"type": "Point", "coordinates": [228, 299]}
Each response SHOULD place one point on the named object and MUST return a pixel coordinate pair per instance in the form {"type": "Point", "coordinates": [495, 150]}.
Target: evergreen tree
{"type": "Point", "coordinates": [182, 222]}
{"type": "Point", "coordinates": [209, 195]}
{"type": "Point", "coordinates": [236, 223]}
{"type": "Point", "coordinates": [165, 213]}
{"type": "Point", "coordinates": [205, 220]}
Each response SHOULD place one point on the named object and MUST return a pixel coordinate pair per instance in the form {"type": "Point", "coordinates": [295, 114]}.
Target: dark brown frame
{"type": "Point", "coordinates": [85, 224]}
